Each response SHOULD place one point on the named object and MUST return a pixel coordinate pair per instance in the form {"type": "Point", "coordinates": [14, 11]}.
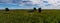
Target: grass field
{"type": "Point", "coordinates": [23, 16]}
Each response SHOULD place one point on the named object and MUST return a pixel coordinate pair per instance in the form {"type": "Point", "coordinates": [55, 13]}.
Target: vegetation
{"type": "Point", "coordinates": [39, 10]}
{"type": "Point", "coordinates": [6, 9]}
{"type": "Point", "coordinates": [35, 9]}
{"type": "Point", "coordinates": [22, 16]}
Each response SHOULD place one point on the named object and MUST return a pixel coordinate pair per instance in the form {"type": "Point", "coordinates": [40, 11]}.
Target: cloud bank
{"type": "Point", "coordinates": [44, 4]}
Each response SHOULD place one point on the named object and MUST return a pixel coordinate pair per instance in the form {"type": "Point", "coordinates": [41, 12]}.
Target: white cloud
{"type": "Point", "coordinates": [55, 3]}
{"type": "Point", "coordinates": [35, 1]}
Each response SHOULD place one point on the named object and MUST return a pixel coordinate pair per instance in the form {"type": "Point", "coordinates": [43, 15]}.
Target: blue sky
{"type": "Point", "coordinates": [29, 4]}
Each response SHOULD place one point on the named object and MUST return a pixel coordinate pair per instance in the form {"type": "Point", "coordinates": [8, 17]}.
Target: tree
{"type": "Point", "coordinates": [39, 10]}
{"type": "Point", "coordinates": [6, 9]}
{"type": "Point", "coordinates": [34, 9]}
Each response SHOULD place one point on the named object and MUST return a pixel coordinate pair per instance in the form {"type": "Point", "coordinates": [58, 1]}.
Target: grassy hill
{"type": "Point", "coordinates": [23, 16]}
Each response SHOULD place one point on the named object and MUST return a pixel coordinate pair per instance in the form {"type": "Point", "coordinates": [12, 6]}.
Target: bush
{"type": "Point", "coordinates": [34, 9]}
{"type": "Point", "coordinates": [6, 9]}
{"type": "Point", "coordinates": [39, 10]}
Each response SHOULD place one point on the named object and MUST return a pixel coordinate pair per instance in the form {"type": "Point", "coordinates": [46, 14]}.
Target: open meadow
{"type": "Point", "coordinates": [23, 16]}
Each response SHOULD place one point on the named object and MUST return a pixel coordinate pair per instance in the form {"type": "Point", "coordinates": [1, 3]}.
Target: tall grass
{"type": "Point", "coordinates": [22, 16]}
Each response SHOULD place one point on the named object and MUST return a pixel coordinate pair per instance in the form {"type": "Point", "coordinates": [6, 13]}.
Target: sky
{"type": "Point", "coordinates": [29, 4]}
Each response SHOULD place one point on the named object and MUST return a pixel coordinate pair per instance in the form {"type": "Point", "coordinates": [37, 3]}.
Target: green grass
{"type": "Point", "coordinates": [22, 16]}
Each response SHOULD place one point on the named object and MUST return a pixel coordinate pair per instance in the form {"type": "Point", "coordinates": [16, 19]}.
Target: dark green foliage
{"type": "Point", "coordinates": [6, 9]}
{"type": "Point", "coordinates": [58, 21]}
{"type": "Point", "coordinates": [35, 9]}
{"type": "Point", "coordinates": [39, 10]}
